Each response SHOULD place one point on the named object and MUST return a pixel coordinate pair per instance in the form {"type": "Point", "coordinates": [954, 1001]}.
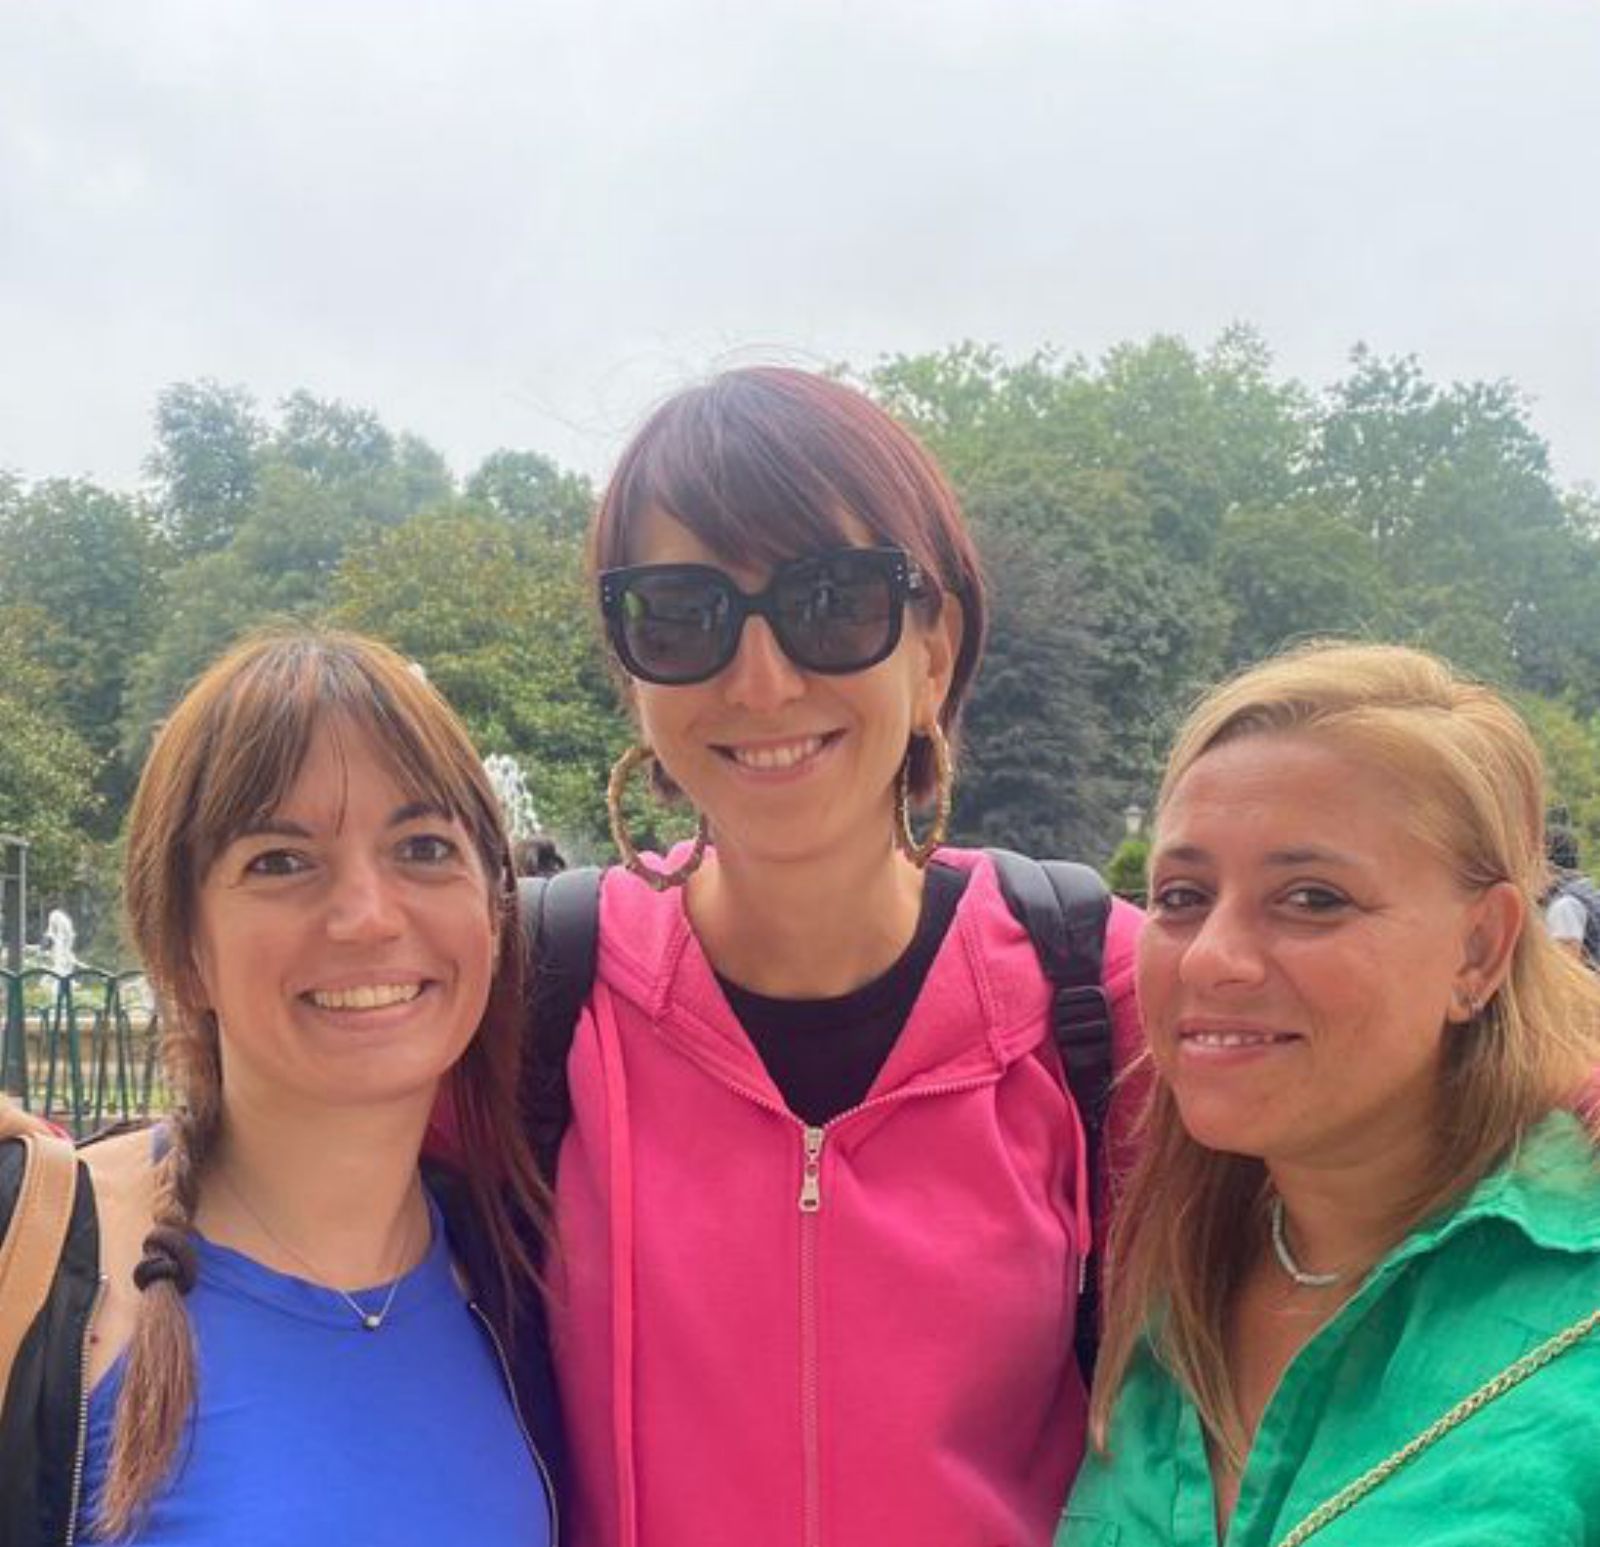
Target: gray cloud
{"type": "Point", "coordinates": [520, 223]}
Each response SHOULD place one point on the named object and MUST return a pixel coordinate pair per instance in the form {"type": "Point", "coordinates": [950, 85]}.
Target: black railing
{"type": "Point", "coordinates": [81, 1047]}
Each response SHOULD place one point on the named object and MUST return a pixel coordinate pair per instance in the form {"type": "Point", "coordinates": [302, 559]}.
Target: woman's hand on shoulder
{"type": "Point", "coordinates": [15, 1122]}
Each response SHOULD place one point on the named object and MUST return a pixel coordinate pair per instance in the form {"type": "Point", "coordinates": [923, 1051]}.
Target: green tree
{"type": "Point", "coordinates": [1452, 487]}
{"type": "Point", "coordinates": [981, 414]}
{"type": "Point", "coordinates": [1128, 868]}
{"type": "Point", "coordinates": [376, 476]}
{"type": "Point", "coordinates": [208, 440]}
{"type": "Point", "coordinates": [1203, 511]}
{"type": "Point", "coordinates": [330, 441]}
{"type": "Point", "coordinates": [1295, 572]}
{"type": "Point", "coordinates": [1033, 774]}
{"type": "Point", "coordinates": [1571, 747]}
{"type": "Point", "coordinates": [213, 600]}
{"type": "Point", "coordinates": [1045, 449]}
{"type": "Point", "coordinates": [47, 774]}
{"type": "Point", "coordinates": [523, 486]}
{"type": "Point", "coordinates": [1191, 435]}
{"type": "Point", "coordinates": [89, 565]}
{"type": "Point", "coordinates": [328, 478]}
{"type": "Point", "coordinates": [497, 615]}
{"type": "Point", "coordinates": [1155, 624]}
{"type": "Point", "coordinates": [1202, 434]}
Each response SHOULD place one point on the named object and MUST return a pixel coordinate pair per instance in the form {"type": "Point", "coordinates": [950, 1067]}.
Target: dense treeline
{"type": "Point", "coordinates": [1150, 520]}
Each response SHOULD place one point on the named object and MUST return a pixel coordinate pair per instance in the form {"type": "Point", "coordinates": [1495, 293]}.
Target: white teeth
{"type": "Point", "coordinates": [1234, 1038]}
{"type": "Point", "coordinates": [777, 757]}
{"type": "Point", "coordinates": [370, 996]}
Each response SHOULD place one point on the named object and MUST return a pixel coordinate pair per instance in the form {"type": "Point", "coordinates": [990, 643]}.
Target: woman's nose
{"type": "Point", "coordinates": [761, 676]}
{"type": "Point", "coordinates": [1225, 950]}
{"type": "Point", "coordinates": [363, 904]}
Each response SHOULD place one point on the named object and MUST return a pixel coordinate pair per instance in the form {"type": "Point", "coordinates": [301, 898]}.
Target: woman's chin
{"type": "Point", "coordinates": [1227, 1128]}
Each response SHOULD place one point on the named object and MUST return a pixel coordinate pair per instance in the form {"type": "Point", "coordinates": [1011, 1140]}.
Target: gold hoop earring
{"type": "Point", "coordinates": [919, 853]}
{"type": "Point", "coordinates": [632, 860]}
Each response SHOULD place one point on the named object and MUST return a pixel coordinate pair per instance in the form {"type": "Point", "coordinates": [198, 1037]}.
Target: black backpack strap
{"type": "Point", "coordinates": [561, 935]}
{"type": "Point", "coordinates": [1064, 907]}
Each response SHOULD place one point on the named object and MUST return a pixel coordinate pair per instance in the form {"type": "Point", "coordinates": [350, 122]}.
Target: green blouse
{"type": "Point", "coordinates": [1471, 1293]}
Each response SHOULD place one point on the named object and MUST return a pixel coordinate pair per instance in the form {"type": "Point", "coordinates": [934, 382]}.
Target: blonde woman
{"type": "Point", "coordinates": [264, 1328]}
{"type": "Point", "coordinates": [1356, 1279]}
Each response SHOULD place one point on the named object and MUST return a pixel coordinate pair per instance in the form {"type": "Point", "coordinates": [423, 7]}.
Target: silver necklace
{"type": "Point", "coordinates": [372, 1321]}
{"type": "Point", "coordinates": [1286, 1261]}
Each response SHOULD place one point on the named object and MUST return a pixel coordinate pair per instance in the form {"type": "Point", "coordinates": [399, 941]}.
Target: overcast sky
{"type": "Point", "coordinates": [520, 223]}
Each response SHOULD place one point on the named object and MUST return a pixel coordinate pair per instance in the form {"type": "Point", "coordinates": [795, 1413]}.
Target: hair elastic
{"type": "Point", "coordinates": [169, 1257]}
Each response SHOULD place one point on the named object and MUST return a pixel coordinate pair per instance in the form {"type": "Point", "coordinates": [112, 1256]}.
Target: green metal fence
{"type": "Point", "coordinates": [80, 1048]}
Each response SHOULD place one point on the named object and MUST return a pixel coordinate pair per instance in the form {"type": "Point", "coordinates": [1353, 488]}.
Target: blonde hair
{"type": "Point", "coordinates": [1475, 782]}
{"type": "Point", "coordinates": [228, 754]}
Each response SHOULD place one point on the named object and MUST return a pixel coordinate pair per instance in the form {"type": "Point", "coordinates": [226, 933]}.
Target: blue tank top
{"type": "Point", "coordinates": [310, 1429]}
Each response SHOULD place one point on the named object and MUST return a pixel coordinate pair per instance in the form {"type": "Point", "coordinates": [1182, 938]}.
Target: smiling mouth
{"type": "Point", "coordinates": [776, 755]}
{"type": "Point", "coordinates": [1237, 1038]}
{"type": "Point", "coordinates": [369, 996]}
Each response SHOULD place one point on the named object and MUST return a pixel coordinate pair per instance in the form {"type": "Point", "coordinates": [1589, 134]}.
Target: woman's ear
{"type": "Point", "coordinates": [940, 641]}
{"type": "Point", "coordinates": [1494, 924]}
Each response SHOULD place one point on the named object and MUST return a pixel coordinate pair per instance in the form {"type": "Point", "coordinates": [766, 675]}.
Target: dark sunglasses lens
{"type": "Point", "coordinates": [676, 627]}
{"type": "Point", "coordinates": [838, 612]}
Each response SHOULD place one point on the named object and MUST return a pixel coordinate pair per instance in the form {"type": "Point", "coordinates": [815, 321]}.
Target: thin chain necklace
{"type": "Point", "coordinates": [372, 1321]}
{"type": "Point", "coordinates": [1280, 1245]}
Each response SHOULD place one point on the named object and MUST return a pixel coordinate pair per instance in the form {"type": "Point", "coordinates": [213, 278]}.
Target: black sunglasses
{"type": "Point", "coordinates": [834, 612]}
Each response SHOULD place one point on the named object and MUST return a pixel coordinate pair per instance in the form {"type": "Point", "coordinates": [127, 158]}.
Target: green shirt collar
{"type": "Point", "coordinates": [1546, 1190]}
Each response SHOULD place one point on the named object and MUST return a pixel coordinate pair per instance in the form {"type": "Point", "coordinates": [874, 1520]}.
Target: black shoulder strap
{"type": "Point", "coordinates": [1064, 907]}
{"type": "Point", "coordinates": [561, 933]}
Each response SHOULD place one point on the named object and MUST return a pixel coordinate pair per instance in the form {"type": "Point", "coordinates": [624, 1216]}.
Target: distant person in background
{"type": "Point", "coordinates": [538, 856]}
{"type": "Point", "coordinates": [1572, 904]}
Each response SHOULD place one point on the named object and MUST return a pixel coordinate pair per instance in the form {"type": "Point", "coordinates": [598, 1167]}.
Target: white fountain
{"type": "Point", "coordinates": [61, 940]}
{"type": "Point", "coordinates": [511, 788]}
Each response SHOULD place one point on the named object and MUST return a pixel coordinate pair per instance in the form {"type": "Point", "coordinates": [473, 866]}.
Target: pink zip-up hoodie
{"type": "Point", "coordinates": [859, 1335]}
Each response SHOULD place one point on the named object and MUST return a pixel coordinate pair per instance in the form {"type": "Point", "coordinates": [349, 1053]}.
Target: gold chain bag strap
{"type": "Point", "coordinates": [34, 1238]}
{"type": "Point", "coordinates": [1513, 1375]}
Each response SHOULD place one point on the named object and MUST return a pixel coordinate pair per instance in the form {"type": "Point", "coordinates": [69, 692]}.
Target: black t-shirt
{"type": "Point", "coordinates": [824, 1054]}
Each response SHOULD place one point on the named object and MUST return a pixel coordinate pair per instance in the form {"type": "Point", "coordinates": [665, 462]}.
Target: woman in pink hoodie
{"type": "Point", "coordinates": [822, 1202]}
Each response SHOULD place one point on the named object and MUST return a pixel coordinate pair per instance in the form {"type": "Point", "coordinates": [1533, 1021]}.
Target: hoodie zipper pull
{"type": "Point", "coordinates": [811, 1177]}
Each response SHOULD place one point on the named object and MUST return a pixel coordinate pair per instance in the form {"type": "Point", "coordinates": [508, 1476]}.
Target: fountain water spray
{"type": "Point", "coordinates": [511, 789]}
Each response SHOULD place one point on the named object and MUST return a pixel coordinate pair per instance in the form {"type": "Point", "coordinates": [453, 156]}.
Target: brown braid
{"type": "Point", "coordinates": [158, 1387]}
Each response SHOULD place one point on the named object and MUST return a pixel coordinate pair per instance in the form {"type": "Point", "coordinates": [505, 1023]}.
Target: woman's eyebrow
{"type": "Point", "coordinates": [416, 810]}
{"type": "Point", "coordinates": [1302, 854]}
{"type": "Point", "coordinates": [1310, 854]}
{"type": "Point", "coordinates": [273, 826]}
{"type": "Point", "coordinates": [1185, 854]}
{"type": "Point", "coordinates": [281, 827]}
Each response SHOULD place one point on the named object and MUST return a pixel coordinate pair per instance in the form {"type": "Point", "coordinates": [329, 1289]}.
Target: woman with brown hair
{"type": "Point", "coordinates": [1354, 1284]}
{"type": "Point", "coordinates": [264, 1327]}
{"type": "Point", "coordinates": [823, 1202]}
